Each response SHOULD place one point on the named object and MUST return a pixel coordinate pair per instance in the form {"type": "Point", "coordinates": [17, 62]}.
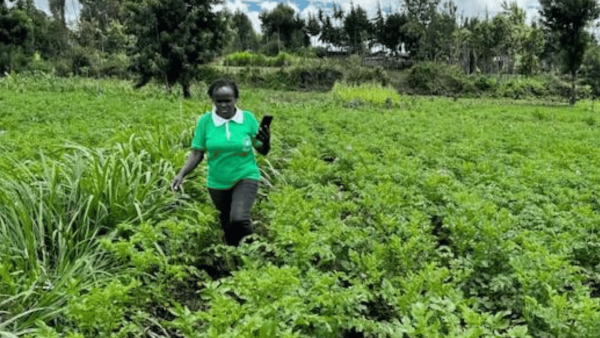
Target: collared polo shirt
{"type": "Point", "coordinates": [229, 147]}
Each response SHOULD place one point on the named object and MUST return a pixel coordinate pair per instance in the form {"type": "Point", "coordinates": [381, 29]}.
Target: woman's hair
{"type": "Point", "coordinates": [218, 83]}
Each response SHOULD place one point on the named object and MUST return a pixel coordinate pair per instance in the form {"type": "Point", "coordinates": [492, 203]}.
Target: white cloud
{"type": "Point", "coordinates": [234, 5]}
{"type": "Point", "coordinates": [268, 5]}
{"type": "Point", "coordinates": [255, 21]}
{"type": "Point", "coordinates": [478, 7]}
{"type": "Point", "coordinates": [72, 8]}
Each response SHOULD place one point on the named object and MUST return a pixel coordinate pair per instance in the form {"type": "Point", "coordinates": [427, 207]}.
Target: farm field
{"type": "Point", "coordinates": [433, 218]}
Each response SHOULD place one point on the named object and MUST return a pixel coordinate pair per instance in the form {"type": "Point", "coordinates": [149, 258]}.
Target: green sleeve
{"type": "Point", "coordinates": [199, 139]}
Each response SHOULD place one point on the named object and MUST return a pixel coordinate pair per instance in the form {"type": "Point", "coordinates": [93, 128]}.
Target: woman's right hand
{"type": "Point", "coordinates": [176, 182]}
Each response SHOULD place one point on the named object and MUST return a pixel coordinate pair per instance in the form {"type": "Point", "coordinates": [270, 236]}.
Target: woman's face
{"type": "Point", "coordinates": [224, 100]}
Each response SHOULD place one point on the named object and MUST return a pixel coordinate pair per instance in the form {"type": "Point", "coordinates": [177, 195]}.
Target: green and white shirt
{"type": "Point", "coordinates": [229, 147]}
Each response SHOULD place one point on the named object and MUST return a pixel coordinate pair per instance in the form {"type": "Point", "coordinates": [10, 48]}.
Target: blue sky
{"type": "Point", "coordinates": [253, 7]}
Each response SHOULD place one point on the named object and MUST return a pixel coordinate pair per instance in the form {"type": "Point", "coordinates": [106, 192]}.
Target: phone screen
{"type": "Point", "coordinates": [266, 121]}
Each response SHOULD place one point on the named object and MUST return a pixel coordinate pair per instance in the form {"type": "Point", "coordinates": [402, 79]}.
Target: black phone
{"type": "Point", "coordinates": [266, 121]}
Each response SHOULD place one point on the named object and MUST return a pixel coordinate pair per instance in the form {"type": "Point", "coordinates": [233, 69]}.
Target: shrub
{"type": "Point", "coordinates": [365, 93]}
{"type": "Point", "coordinates": [317, 78]}
{"type": "Point", "coordinates": [321, 52]}
{"type": "Point", "coordinates": [85, 62]}
{"type": "Point", "coordinates": [558, 86]}
{"type": "Point", "coordinates": [431, 78]}
{"type": "Point", "coordinates": [246, 59]}
{"type": "Point", "coordinates": [522, 87]}
{"type": "Point", "coordinates": [311, 78]}
{"type": "Point", "coordinates": [359, 75]}
{"type": "Point", "coordinates": [208, 74]}
{"type": "Point", "coordinates": [486, 84]}
{"type": "Point", "coordinates": [241, 59]}
{"type": "Point", "coordinates": [116, 65]}
{"type": "Point", "coordinates": [283, 59]}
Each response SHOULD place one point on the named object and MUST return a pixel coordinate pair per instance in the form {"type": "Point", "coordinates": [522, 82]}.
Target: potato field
{"type": "Point", "coordinates": [379, 215]}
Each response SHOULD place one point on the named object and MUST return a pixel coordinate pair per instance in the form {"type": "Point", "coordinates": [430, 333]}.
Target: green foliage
{"type": "Point", "coordinates": [532, 47]}
{"type": "Point", "coordinates": [390, 30]}
{"type": "Point", "coordinates": [245, 59]}
{"type": "Point", "coordinates": [101, 26]}
{"type": "Point", "coordinates": [170, 44]}
{"type": "Point", "coordinates": [438, 79]}
{"type": "Point", "coordinates": [356, 27]}
{"type": "Point", "coordinates": [492, 234]}
{"type": "Point", "coordinates": [15, 31]}
{"type": "Point", "coordinates": [567, 20]}
{"type": "Point", "coordinates": [316, 78]}
{"type": "Point", "coordinates": [591, 70]}
{"type": "Point", "coordinates": [368, 93]}
{"type": "Point", "coordinates": [285, 29]}
{"type": "Point", "coordinates": [245, 38]}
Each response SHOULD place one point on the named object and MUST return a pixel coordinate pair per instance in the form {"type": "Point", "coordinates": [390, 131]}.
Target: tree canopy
{"type": "Point", "coordinates": [567, 20]}
{"type": "Point", "coordinates": [173, 37]}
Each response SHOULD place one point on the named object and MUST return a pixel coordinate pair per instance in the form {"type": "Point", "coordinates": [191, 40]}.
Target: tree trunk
{"type": "Point", "coordinates": [573, 93]}
{"type": "Point", "coordinates": [185, 85]}
{"type": "Point", "coordinates": [167, 86]}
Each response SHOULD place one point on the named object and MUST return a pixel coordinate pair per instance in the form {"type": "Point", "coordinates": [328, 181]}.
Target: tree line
{"type": "Point", "coordinates": [168, 39]}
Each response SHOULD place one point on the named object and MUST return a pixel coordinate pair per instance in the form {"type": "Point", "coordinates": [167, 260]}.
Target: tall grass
{"type": "Point", "coordinates": [369, 93]}
{"type": "Point", "coordinates": [244, 59]}
{"type": "Point", "coordinates": [53, 217]}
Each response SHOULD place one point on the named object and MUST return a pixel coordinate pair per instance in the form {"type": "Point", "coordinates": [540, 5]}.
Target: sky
{"type": "Point", "coordinates": [304, 7]}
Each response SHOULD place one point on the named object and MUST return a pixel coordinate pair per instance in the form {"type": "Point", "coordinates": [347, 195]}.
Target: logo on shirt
{"type": "Point", "coordinates": [247, 143]}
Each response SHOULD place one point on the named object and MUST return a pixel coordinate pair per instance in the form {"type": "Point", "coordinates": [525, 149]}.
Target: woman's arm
{"type": "Point", "coordinates": [264, 136]}
{"type": "Point", "coordinates": [193, 160]}
{"type": "Point", "coordinates": [263, 149]}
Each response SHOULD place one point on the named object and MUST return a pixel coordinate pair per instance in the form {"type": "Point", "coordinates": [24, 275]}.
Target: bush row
{"type": "Point", "coordinates": [426, 78]}
{"type": "Point", "coordinates": [315, 78]}
{"type": "Point", "coordinates": [245, 59]}
{"type": "Point", "coordinates": [439, 79]}
{"type": "Point", "coordinates": [79, 62]}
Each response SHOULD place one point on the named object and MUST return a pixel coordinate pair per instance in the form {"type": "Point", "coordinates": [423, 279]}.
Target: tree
{"type": "Point", "coordinates": [591, 69]}
{"type": "Point", "coordinates": [173, 38]}
{"type": "Point", "coordinates": [313, 27]}
{"type": "Point", "coordinates": [391, 33]}
{"type": "Point", "coordinates": [57, 8]}
{"type": "Point", "coordinates": [245, 37]}
{"type": "Point", "coordinates": [15, 33]}
{"type": "Point", "coordinates": [47, 36]}
{"type": "Point", "coordinates": [439, 39]}
{"type": "Point", "coordinates": [101, 26]}
{"type": "Point", "coordinates": [531, 50]}
{"type": "Point", "coordinates": [568, 19]}
{"type": "Point", "coordinates": [327, 31]}
{"type": "Point", "coordinates": [420, 13]}
{"type": "Point", "coordinates": [338, 13]}
{"type": "Point", "coordinates": [483, 42]}
{"type": "Point", "coordinates": [378, 26]}
{"type": "Point", "coordinates": [286, 26]}
{"type": "Point", "coordinates": [356, 27]}
{"type": "Point", "coordinates": [511, 33]}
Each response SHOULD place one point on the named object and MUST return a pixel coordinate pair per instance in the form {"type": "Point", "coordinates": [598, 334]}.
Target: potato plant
{"type": "Point", "coordinates": [432, 218]}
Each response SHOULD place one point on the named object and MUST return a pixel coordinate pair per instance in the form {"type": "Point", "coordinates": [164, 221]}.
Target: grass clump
{"type": "Point", "coordinates": [245, 59]}
{"type": "Point", "coordinates": [366, 93]}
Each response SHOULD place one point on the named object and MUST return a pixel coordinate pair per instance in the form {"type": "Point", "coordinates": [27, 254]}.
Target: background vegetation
{"type": "Point", "coordinates": [501, 55]}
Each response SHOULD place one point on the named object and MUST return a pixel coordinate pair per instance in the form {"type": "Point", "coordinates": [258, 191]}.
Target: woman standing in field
{"type": "Point", "coordinates": [228, 136]}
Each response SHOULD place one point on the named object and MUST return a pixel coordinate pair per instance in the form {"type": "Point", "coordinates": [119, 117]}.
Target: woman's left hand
{"type": "Point", "coordinates": [264, 135]}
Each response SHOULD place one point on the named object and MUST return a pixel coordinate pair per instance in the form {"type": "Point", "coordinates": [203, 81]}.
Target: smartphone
{"type": "Point", "coordinates": [266, 121]}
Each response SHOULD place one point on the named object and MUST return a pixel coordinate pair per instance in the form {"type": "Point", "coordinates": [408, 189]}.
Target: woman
{"type": "Point", "coordinates": [228, 135]}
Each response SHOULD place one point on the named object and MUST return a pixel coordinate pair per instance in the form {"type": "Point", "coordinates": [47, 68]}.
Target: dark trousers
{"type": "Point", "coordinates": [234, 207]}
